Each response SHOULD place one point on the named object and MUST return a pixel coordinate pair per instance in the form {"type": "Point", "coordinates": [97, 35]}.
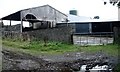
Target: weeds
{"type": "Point", "coordinates": [59, 47]}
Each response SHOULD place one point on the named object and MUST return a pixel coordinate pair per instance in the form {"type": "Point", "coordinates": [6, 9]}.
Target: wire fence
{"type": "Point", "coordinates": [93, 38]}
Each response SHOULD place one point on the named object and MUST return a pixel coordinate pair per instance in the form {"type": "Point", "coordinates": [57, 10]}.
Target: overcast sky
{"type": "Point", "coordinates": [89, 8]}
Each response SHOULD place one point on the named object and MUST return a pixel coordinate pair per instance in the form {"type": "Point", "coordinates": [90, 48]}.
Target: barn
{"type": "Point", "coordinates": [42, 25]}
{"type": "Point", "coordinates": [38, 17]}
{"type": "Point", "coordinates": [52, 24]}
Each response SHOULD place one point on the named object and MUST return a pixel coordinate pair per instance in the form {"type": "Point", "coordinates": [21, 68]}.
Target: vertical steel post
{"type": "Point", "coordinates": [21, 22]}
{"type": "Point", "coordinates": [10, 22]}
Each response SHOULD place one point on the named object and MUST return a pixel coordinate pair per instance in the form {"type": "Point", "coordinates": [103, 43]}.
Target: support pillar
{"type": "Point", "coordinates": [21, 25]}
{"type": "Point", "coordinates": [90, 27]}
{"type": "Point", "coordinates": [10, 22]}
{"type": "Point", "coordinates": [10, 26]}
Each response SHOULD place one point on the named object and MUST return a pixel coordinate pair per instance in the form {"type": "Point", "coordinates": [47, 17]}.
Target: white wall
{"type": "Point", "coordinates": [45, 12]}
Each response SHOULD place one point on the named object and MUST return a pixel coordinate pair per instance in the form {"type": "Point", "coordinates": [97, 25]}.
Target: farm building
{"type": "Point", "coordinates": [95, 27]}
{"type": "Point", "coordinates": [45, 22]}
{"type": "Point", "coordinates": [42, 25]}
{"type": "Point", "coordinates": [38, 17]}
{"type": "Point", "coordinates": [91, 31]}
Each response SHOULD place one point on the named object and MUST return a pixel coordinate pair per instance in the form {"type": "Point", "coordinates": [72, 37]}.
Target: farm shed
{"type": "Point", "coordinates": [92, 33]}
{"type": "Point", "coordinates": [92, 27]}
{"type": "Point", "coordinates": [38, 17]}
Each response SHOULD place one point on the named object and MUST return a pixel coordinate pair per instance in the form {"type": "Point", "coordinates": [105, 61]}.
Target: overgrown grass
{"type": "Point", "coordinates": [37, 47]}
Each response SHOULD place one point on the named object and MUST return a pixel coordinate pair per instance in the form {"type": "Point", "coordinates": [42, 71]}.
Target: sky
{"type": "Point", "coordinates": [89, 8]}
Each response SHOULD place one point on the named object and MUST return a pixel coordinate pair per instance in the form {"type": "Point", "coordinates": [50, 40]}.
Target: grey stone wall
{"type": "Point", "coordinates": [15, 28]}
{"type": "Point", "coordinates": [10, 34]}
{"type": "Point", "coordinates": [62, 34]}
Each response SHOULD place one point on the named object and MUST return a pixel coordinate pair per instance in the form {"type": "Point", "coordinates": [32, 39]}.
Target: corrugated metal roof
{"type": "Point", "coordinates": [74, 18]}
{"type": "Point", "coordinates": [16, 16]}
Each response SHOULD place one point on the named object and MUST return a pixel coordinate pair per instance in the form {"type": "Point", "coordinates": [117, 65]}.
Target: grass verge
{"type": "Point", "coordinates": [38, 47]}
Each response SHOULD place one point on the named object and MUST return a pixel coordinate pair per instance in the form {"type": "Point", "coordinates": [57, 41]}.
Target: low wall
{"type": "Point", "coordinates": [62, 34]}
{"type": "Point", "coordinates": [16, 28]}
{"type": "Point", "coordinates": [56, 34]}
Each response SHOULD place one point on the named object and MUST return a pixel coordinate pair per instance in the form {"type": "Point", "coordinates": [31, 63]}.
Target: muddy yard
{"type": "Point", "coordinates": [67, 62]}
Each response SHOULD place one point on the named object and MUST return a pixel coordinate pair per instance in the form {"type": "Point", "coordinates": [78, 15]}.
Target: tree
{"type": "Point", "coordinates": [116, 29]}
{"type": "Point", "coordinates": [114, 2]}
{"type": "Point", "coordinates": [96, 17]}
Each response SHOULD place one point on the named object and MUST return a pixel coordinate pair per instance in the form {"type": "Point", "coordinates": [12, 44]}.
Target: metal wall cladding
{"type": "Point", "coordinates": [46, 13]}
{"type": "Point", "coordinates": [82, 28]}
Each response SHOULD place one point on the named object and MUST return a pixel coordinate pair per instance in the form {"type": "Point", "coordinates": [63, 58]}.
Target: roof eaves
{"type": "Point", "coordinates": [10, 14]}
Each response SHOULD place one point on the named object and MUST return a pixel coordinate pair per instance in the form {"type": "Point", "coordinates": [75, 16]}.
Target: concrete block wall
{"type": "Point", "coordinates": [61, 34]}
